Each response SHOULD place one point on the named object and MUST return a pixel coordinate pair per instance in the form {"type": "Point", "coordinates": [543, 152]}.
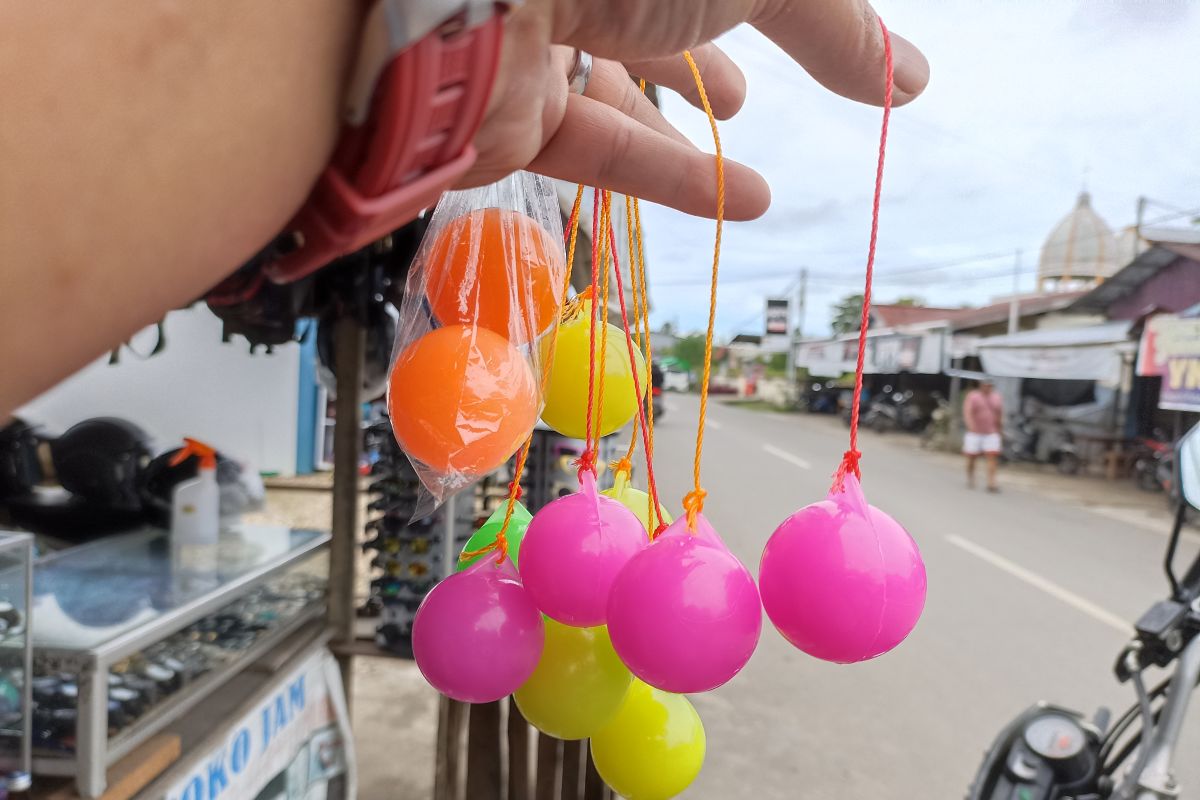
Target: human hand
{"type": "Point", "coordinates": [614, 137]}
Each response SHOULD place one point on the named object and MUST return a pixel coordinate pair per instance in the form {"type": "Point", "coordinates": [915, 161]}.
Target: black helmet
{"type": "Point", "coordinates": [100, 460]}
{"type": "Point", "coordinates": [381, 335]}
{"type": "Point", "coordinates": [20, 469]}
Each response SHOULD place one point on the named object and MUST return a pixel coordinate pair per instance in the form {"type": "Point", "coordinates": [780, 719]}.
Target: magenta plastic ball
{"type": "Point", "coordinates": [478, 636]}
{"type": "Point", "coordinates": [573, 549]}
{"type": "Point", "coordinates": [684, 615]}
{"type": "Point", "coordinates": [842, 580]}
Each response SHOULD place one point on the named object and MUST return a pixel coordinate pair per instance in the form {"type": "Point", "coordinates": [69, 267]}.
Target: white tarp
{"type": "Point", "coordinates": [1092, 353]}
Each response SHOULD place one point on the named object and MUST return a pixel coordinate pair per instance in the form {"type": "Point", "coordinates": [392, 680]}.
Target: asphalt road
{"type": "Point", "coordinates": [1031, 597]}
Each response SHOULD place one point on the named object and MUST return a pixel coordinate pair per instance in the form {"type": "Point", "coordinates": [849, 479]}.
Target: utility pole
{"type": "Point", "coordinates": [1137, 239]}
{"type": "Point", "coordinates": [1014, 304]}
{"type": "Point", "coordinates": [798, 332]}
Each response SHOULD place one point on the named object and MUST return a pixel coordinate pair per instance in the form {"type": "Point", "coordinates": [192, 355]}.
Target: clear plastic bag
{"type": "Point", "coordinates": [487, 284]}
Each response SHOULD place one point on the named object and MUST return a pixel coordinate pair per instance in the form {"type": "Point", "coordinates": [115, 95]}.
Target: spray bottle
{"type": "Point", "coordinates": [195, 511]}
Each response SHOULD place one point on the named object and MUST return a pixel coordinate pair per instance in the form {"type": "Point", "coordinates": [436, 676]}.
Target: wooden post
{"type": "Point", "coordinates": [572, 769]}
{"type": "Point", "coordinates": [549, 754]}
{"type": "Point", "coordinates": [350, 343]}
{"type": "Point", "coordinates": [483, 752]}
{"type": "Point", "coordinates": [518, 753]}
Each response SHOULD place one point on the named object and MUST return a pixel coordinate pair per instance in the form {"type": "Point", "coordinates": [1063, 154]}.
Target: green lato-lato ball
{"type": "Point", "coordinates": [486, 535]}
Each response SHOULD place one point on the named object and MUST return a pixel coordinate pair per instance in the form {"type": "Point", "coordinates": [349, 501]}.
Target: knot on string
{"type": "Point", "coordinates": [586, 462]}
{"type": "Point", "coordinates": [514, 490]}
{"type": "Point", "coordinates": [623, 466]}
{"type": "Point", "coordinates": [849, 466]}
{"type": "Point", "coordinates": [693, 504]}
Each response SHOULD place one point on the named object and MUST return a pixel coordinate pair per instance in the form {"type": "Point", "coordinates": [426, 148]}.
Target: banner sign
{"type": "Point", "coordinates": [777, 317]}
{"type": "Point", "coordinates": [296, 744]}
{"type": "Point", "coordinates": [1171, 349]}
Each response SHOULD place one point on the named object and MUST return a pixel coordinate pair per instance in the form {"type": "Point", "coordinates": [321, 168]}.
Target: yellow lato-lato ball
{"type": "Point", "coordinates": [567, 383]}
{"type": "Point", "coordinates": [579, 683]}
{"type": "Point", "coordinates": [653, 748]}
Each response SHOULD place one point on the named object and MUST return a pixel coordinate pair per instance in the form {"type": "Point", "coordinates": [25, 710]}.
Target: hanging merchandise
{"type": "Point", "coordinates": [644, 505]}
{"type": "Point", "coordinates": [572, 551]}
{"type": "Point", "coordinates": [653, 748]}
{"type": "Point", "coordinates": [684, 613]}
{"type": "Point", "coordinates": [485, 537]}
{"type": "Point", "coordinates": [485, 285]}
{"type": "Point", "coordinates": [578, 685]}
{"type": "Point", "coordinates": [477, 636]}
{"type": "Point", "coordinates": [575, 546]}
{"type": "Point", "coordinates": [567, 387]}
{"type": "Point", "coordinates": [494, 266]}
{"type": "Point", "coordinates": [635, 500]}
{"type": "Point", "coordinates": [842, 580]}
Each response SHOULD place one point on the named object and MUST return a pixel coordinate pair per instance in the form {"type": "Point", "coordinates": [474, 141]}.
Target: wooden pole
{"type": "Point", "coordinates": [350, 344]}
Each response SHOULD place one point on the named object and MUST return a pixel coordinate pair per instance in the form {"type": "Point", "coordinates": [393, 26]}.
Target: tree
{"type": "Point", "coordinates": [847, 314]}
{"type": "Point", "coordinates": [690, 350]}
{"type": "Point", "coordinates": [909, 300]}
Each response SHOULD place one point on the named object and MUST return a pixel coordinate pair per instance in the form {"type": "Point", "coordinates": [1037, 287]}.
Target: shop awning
{"type": "Point", "coordinates": [1094, 353]}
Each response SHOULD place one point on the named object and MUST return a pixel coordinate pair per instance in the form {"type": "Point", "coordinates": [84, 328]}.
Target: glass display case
{"type": "Point", "coordinates": [134, 630]}
{"type": "Point", "coordinates": [16, 559]}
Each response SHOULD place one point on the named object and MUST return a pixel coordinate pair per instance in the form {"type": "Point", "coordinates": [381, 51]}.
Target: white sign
{"type": "Point", "coordinates": [777, 317]}
{"type": "Point", "coordinates": [296, 744]}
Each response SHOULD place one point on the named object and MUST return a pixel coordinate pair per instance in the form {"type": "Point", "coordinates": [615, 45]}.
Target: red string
{"type": "Point", "coordinates": [588, 460]}
{"type": "Point", "coordinates": [637, 389]}
{"type": "Point", "coordinates": [851, 458]}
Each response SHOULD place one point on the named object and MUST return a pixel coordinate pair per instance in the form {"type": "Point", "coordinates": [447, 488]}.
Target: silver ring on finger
{"type": "Point", "coordinates": [581, 72]}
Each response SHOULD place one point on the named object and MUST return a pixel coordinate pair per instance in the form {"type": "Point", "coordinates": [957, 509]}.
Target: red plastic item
{"type": "Point", "coordinates": [415, 144]}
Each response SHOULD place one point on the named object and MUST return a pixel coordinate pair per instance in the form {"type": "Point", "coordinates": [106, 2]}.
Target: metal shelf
{"type": "Point", "coordinates": [139, 574]}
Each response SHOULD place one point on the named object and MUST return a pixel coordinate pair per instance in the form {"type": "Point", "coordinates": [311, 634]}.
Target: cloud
{"type": "Point", "coordinates": [1029, 101]}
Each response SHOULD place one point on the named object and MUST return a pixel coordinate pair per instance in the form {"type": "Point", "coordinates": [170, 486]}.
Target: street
{"type": "Point", "coordinates": [1030, 598]}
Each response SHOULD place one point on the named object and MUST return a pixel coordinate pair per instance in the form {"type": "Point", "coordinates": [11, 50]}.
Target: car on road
{"type": "Point", "coordinates": [675, 379]}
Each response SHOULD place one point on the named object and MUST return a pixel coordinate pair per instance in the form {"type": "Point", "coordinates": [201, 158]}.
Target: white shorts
{"type": "Point", "coordinates": [976, 443]}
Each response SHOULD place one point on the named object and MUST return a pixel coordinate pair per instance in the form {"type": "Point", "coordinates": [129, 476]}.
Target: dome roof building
{"type": "Point", "coordinates": [1080, 252]}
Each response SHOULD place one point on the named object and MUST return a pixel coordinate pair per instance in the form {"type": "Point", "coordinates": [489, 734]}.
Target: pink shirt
{"type": "Point", "coordinates": [983, 413]}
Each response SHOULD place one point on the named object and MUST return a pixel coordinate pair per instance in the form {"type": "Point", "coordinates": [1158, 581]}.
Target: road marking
{"type": "Point", "coordinates": [1045, 584]}
{"type": "Point", "coordinates": [712, 423]}
{"type": "Point", "coordinates": [786, 456]}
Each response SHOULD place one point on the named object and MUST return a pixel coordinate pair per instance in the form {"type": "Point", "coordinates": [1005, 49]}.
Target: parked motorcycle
{"type": "Point", "coordinates": [895, 411]}
{"type": "Point", "coordinates": [1151, 454]}
{"type": "Point", "coordinates": [937, 433]}
{"type": "Point", "coordinates": [1043, 441]}
{"type": "Point", "coordinates": [1054, 753]}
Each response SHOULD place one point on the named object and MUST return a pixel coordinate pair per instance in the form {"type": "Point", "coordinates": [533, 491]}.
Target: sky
{"type": "Point", "coordinates": [1029, 102]}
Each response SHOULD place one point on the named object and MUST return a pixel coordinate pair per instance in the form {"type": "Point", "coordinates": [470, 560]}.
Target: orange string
{"type": "Point", "coordinates": [693, 502]}
{"type": "Point", "coordinates": [637, 309]}
{"type": "Point", "coordinates": [641, 407]}
{"type": "Point", "coordinates": [500, 544]}
{"type": "Point", "coordinates": [850, 459]}
{"type": "Point", "coordinates": [655, 508]}
{"type": "Point", "coordinates": [606, 251]}
{"type": "Point", "coordinates": [587, 461]}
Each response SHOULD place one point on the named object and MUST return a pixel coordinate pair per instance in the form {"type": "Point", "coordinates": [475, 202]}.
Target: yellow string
{"type": "Point", "coordinates": [693, 502]}
{"type": "Point", "coordinates": [500, 544]}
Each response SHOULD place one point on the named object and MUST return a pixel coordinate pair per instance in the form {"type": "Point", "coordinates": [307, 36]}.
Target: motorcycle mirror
{"type": "Point", "coordinates": [1189, 467]}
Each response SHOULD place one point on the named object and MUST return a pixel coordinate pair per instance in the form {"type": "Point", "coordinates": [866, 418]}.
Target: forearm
{"type": "Point", "coordinates": [147, 148]}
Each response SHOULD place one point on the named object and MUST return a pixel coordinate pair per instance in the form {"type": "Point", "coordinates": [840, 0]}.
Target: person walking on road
{"type": "Point", "coordinates": [983, 412]}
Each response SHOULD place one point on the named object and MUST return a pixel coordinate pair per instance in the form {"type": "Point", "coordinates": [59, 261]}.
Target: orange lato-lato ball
{"type": "Point", "coordinates": [462, 399]}
{"type": "Point", "coordinates": [497, 269]}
